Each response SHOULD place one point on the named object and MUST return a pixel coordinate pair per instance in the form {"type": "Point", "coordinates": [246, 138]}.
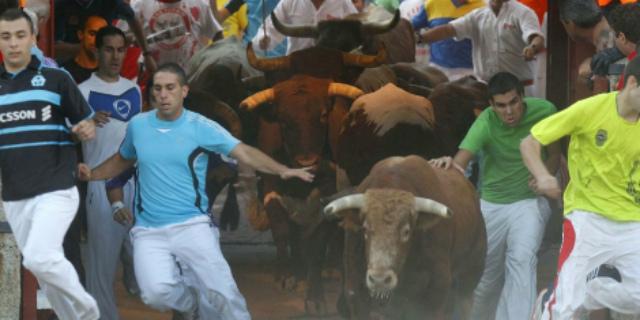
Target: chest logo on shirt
{"type": "Point", "coordinates": [170, 27]}
{"type": "Point", "coordinates": [122, 107]}
{"type": "Point", "coordinates": [601, 137]}
{"type": "Point", "coordinates": [38, 81]}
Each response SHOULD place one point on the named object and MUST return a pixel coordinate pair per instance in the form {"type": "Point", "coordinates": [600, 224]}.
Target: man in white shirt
{"type": "Point", "coordinates": [119, 97]}
{"type": "Point", "coordinates": [505, 36]}
{"type": "Point", "coordinates": [300, 12]}
{"type": "Point", "coordinates": [176, 29]}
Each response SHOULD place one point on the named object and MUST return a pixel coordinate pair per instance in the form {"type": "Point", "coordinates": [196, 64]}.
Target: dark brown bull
{"type": "Point", "coordinates": [415, 242]}
{"type": "Point", "coordinates": [393, 122]}
{"type": "Point", "coordinates": [341, 34]}
{"type": "Point", "coordinates": [301, 108]}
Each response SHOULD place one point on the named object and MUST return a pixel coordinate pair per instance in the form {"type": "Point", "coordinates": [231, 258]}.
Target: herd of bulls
{"type": "Point", "coordinates": [410, 238]}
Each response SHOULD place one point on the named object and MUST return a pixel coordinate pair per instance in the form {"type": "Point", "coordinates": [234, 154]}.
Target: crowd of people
{"type": "Point", "coordinates": [140, 184]}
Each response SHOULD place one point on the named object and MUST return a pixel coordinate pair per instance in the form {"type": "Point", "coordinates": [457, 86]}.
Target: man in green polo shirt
{"type": "Point", "coordinates": [514, 215]}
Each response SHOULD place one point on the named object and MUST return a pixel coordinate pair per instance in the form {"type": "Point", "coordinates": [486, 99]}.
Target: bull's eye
{"type": "Point", "coordinates": [405, 233]}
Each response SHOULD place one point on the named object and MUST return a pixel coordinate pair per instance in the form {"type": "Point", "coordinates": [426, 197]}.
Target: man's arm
{"type": "Point", "coordinates": [536, 44]}
{"type": "Point", "coordinates": [259, 161]}
{"type": "Point", "coordinates": [460, 161]}
{"type": "Point", "coordinates": [136, 27]}
{"type": "Point", "coordinates": [545, 183]}
{"type": "Point", "coordinates": [438, 33]}
{"type": "Point", "coordinates": [106, 170]}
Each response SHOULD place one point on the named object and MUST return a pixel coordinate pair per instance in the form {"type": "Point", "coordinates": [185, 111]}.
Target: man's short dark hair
{"type": "Point", "coordinates": [175, 69]}
{"type": "Point", "coordinates": [583, 13]}
{"type": "Point", "coordinates": [8, 4]}
{"type": "Point", "coordinates": [14, 14]}
{"type": "Point", "coordinates": [503, 82]}
{"type": "Point", "coordinates": [632, 69]}
{"type": "Point", "coordinates": [108, 31]}
{"type": "Point", "coordinates": [625, 18]}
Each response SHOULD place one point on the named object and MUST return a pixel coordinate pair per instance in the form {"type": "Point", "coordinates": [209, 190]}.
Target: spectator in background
{"type": "Point", "coordinates": [625, 22]}
{"type": "Point", "coordinates": [448, 55]}
{"type": "Point", "coordinates": [67, 23]}
{"type": "Point", "coordinates": [234, 20]}
{"type": "Point", "coordinates": [300, 12]}
{"type": "Point", "coordinates": [505, 37]}
{"type": "Point", "coordinates": [85, 62]}
{"type": "Point", "coordinates": [257, 12]}
{"type": "Point", "coordinates": [176, 29]}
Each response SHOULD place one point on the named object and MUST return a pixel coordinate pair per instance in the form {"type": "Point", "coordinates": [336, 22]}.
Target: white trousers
{"type": "Point", "coordinates": [105, 240]}
{"type": "Point", "coordinates": [453, 73]}
{"type": "Point", "coordinates": [590, 240]}
{"type": "Point", "coordinates": [39, 225]}
{"type": "Point", "coordinates": [507, 289]}
{"type": "Point", "coordinates": [194, 243]}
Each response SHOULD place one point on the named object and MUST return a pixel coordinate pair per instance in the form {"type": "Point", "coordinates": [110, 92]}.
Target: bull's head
{"type": "Point", "coordinates": [344, 35]}
{"type": "Point", "coordinates": [302, 105]}
{"type": "Point", "coordinates": [388, 218]}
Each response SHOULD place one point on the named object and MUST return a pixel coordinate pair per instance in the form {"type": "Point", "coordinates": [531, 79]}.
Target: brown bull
{"type": "Point", "coordinates": [415, 242]}
{"type": "Point", "coordinates": [394, 122]}
{"type": "Point", "coordinates": [301, 108]}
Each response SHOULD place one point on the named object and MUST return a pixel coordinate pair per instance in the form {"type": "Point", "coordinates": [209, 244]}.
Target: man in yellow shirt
{"type": "Point", "coordinates": [599, 260]}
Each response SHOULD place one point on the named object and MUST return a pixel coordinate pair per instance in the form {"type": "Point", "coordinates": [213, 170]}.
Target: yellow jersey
{"type": "Point", "coordinates": [604, 157]}
{"type": "Point", "coordinates": [236, 23]}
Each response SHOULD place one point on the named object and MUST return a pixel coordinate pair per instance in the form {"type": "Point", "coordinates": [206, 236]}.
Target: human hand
{"type": "Point", "coordinates": [547, 186]}
{"type": "Point", "coordinates": [264, 42]}
{"type": "Point", "coordinates": [84, 172]}
{"type": "Point", "coordinates": [303, 174]}
{"type": "Point", "coordinates": [529, 52]}
{"type": "Point", "coordinates": [600, 61]}
{"type": "Point", "coordinates": [442, 162]}
{"type": "Point", "coordinates": [101, 118]}
{"type": "Point", "coordinates": [123, 216]}
{"type": "Point", "coordinates": [85, 130]}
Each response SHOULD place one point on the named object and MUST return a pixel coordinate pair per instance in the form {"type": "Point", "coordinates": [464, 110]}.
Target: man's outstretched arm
{"type": "Point", "coordinates": [259, 161]}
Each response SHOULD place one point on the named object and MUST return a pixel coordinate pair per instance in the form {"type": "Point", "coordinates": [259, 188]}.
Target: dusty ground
{"type": "Point", "coordinates": [252, 268]}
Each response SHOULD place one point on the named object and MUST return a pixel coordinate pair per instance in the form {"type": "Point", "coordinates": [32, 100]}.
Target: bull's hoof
{"type": "Point", "coordinates": [289, 283]}
{"type": "Point", "coordinates": [315, 307]}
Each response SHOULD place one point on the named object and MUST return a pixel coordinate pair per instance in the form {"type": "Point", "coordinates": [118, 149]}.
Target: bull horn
{"type": "Point", "coordinates": [432, 206]}
{"type": "Point", "coordinates": [345, 90]}
{"type": "Point", "coordinates": [354, 201]}
{"type": "Point", "coordinates": [257, 99]}
{"type": "Point", "coordinates": [262, 64]}
{"type": "Point", "coordinates": [382, 27]}
{"type": "Point", "coordinates": [294, 31]}
{"type": "Point", "coordinates": [218, 110]}
{"type": "Point", "coordinates": [365, 61]}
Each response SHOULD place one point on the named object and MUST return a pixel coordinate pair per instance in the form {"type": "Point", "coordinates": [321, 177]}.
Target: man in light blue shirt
{"type": "Point", "coordinates": [171, 146]}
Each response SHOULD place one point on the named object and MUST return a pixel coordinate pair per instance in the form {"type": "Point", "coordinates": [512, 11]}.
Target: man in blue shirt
{"type": "Point", "coordinates": [171, 146]}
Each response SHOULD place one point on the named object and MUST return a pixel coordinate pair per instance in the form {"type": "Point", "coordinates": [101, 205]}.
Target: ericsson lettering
{"type": "Point", "coordinates": [17, 116]}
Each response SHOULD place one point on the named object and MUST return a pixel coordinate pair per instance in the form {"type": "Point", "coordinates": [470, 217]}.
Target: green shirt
{"type": "Point", "coordinates": [503, 176]}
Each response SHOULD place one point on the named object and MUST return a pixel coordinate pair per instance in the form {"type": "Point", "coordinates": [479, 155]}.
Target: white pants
{"type": "Point", "coordinates": [507, 289]}
{"type": "Point", "coordinates": [590, 240]}
{"type": "Point", "coordinates": [39, 225]}
{"type": "Point", "coordinates": [105, 240]}
{"type": "Point", "coordinates": [194, 243]}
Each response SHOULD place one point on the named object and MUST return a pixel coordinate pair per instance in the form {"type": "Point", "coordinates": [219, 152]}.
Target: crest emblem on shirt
{"type": "Point", "coordinates": [601, 137]}
{"type": "Point", "coordinates": [38, 81]}
{"type": "Point", "coordinates": [122, 107]}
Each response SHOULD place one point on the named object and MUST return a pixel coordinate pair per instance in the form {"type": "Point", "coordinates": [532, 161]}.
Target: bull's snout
{"type": "Point", "coordinates": [381, 280]}
{"type": "Point", "coordinates": [307, 160]}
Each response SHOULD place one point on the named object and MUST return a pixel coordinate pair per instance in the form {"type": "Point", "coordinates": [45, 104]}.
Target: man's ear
{"type": "Point", "coordinates": [80, 34]}
{"type": "Point", "coordinates": [185, 90]}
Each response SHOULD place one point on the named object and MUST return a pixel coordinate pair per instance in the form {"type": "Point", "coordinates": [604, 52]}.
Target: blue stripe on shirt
{"type": "Point", "coordinates": [30, 95]}
{"type": "Point", "coordinates": [46, 127]}
{"type": "Point", "coordinates": [36, 144]}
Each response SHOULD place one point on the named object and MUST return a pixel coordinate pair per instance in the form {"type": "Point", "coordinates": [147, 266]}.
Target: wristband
{"type": "Point", "coordinates": [116, 206]}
